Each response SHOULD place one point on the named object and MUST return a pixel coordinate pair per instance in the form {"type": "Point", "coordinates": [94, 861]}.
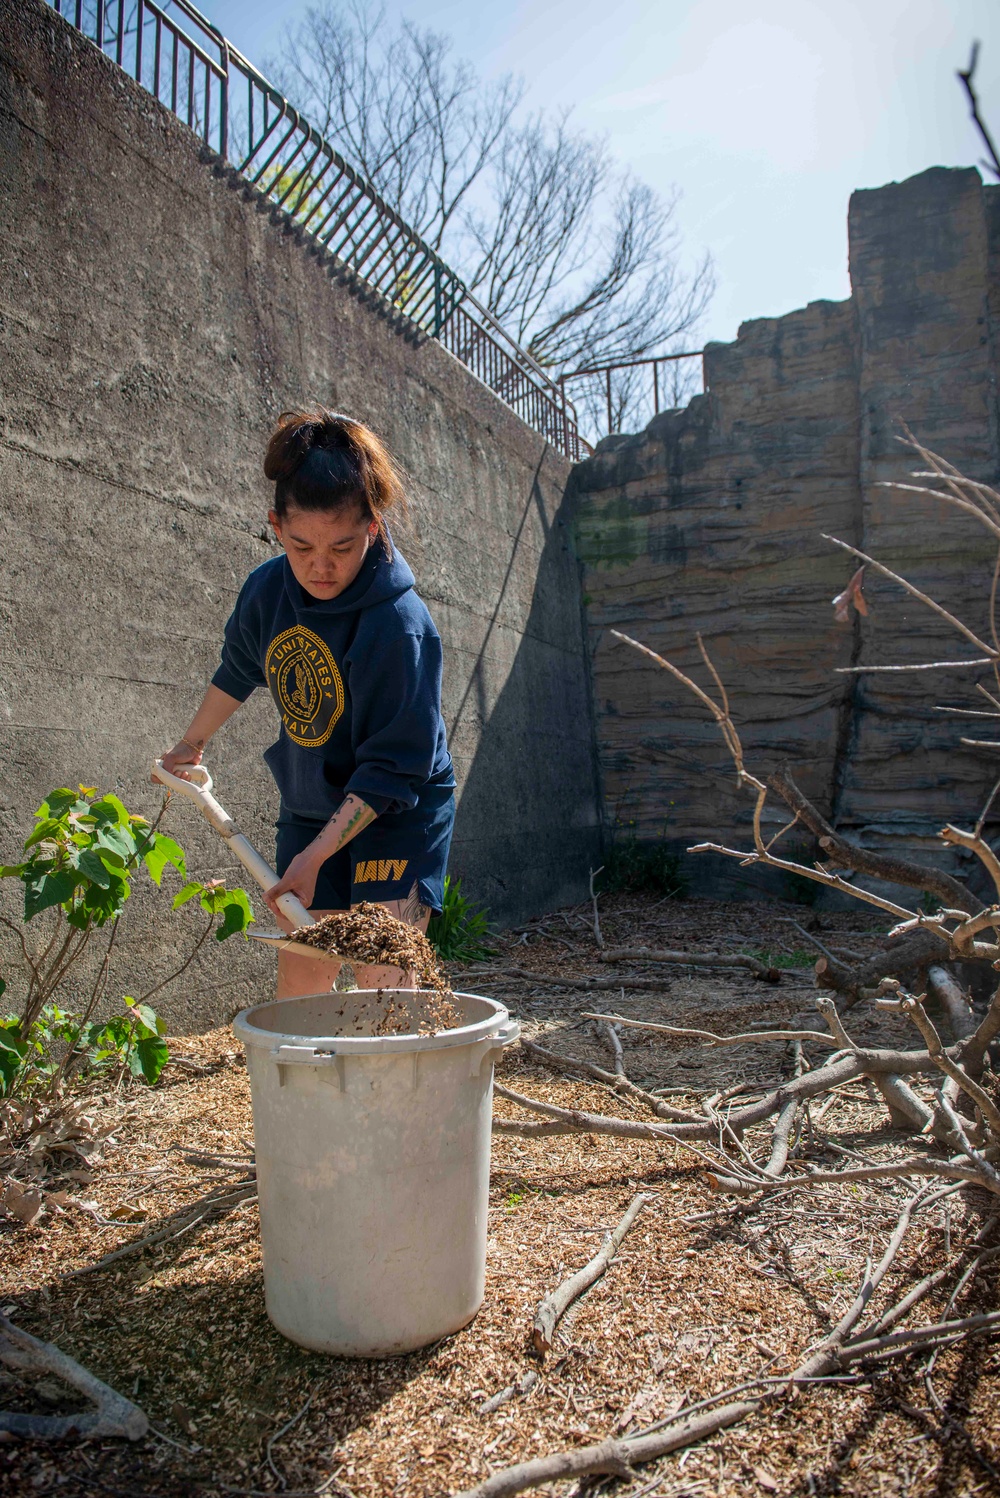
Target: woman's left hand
{"type": "Point", "coordinates": [299, 878]}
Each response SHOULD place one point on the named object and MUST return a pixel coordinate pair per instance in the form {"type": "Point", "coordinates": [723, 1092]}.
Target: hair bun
{"type": "Point", "coordinates": [321, 460]}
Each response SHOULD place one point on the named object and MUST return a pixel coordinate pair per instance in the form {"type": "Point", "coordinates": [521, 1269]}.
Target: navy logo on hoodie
{"type": "Point", "coordinates": [306, 684]}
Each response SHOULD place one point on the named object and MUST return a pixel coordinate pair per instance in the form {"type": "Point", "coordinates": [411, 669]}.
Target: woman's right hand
{"type": "Point", "coordinates": [180, 755]}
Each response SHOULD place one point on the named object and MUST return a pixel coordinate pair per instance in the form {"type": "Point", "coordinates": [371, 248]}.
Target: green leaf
{"type": "Point", "coordinates": [237, 914]}
{"type": "Point", "coordinates": [187, 893]}
{"type": "Point", "coordinates": [88, 863]}
{"type": "Point", "coordinates": [12, 870]}
{"type": "Point", "coordinates": [64, 800]}
{"type": "Point", "coordinates": [146, 1017]}
{"type": "Point", "coordinates": [117, 840]}
{"type": "Point", "coordinates": [48, 890]}
{"type": "Point", "coordinates": [164, 850]}
{"type": "Point", "coordinates": [115, 1032]}
{"type": "Point", "coordinates": [109, 811]}
{"type": "Point", "coordinates": [13, 1050]}
{"type": "Point", "coordinates": [213, 897]}
{"type": "Point", "coordinates": [47, 827]}
{"type": "Point", "coordinates": [124, 817]}
{"type": "Point", "coordinates": [98, 904]}
{"type": "Point", "coordinates": [149, 1057]}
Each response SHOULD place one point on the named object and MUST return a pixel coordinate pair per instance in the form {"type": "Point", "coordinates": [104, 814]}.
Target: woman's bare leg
{"type": "Point", "coordinates": [299, 975]}
{"type": "Point", "coordinates": [304, 975]}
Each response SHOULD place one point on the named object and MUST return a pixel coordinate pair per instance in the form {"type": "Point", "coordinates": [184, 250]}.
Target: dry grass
{"type": "Point", "coordinates": [705, 1292]}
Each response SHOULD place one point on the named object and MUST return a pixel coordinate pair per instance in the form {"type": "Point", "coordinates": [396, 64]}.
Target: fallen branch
{"type": "Point", "coordinates": [114, 1416]}
{"type": "Point", "coordinates": [598, 938]}
{"type": "Point", "coordinates": [620, 1084]}
{"type": "Point", "coordinates": [709, 1036]}
{"type": "Point", "coordinates": [919, 1336]}
{"type": "Point", "coordinates": [614, 1458]}
{"type": "Point", "coordinates": [953, 1000]}
{"type": "Point", "coordinates": [630, 980]}
{"type": "Point", "coordinates": [556, 1304]}
{"type": "Point", "coordinates": [694, 959]}
{"type": "Point", "coordinates": [782, 1132]}
{"type": "Point", "coordinates": [610, 1037]}
{"type": "Point", "coordinates": [215, 1204]}
{"type": "Point", "coordinates": [811, 1084]}
{"type": "Point", "coordinates": [575, 1121]}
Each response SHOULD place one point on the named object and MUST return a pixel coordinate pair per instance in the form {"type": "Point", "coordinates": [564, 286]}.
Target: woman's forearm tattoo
{"type": "Point", "coordinates": [359, 818]}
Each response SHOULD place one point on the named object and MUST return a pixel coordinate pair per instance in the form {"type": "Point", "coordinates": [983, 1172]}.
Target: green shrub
{"type": "Point", "coordinates": [461, 932]}
{"type": "Point", "coordinates": [81, 859]}
{"type": "Point", "coordinates": [60, 1042]}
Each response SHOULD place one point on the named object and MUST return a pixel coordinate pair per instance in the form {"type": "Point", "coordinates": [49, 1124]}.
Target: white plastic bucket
{"type": "Point", "coordinates": [373, 1156]}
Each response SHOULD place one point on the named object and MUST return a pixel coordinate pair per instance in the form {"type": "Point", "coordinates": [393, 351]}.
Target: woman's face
{"type": "Point", "coordinates": [324, 548]}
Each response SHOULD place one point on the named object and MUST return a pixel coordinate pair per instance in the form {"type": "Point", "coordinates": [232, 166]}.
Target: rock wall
{"type": "Point", "coordinates": [711, 521]}
{"type": "Point", "coordinates": [154, 322]}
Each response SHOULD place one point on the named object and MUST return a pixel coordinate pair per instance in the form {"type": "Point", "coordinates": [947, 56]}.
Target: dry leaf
{"type": "Point", "coordinates": [184, 1419]}
{"type": "Point", "coordinates": [26, 1206]}
{"type": "Point", "coordinates": [852, 594]}
{"type": "Point", "coordinates": [765, 1479]}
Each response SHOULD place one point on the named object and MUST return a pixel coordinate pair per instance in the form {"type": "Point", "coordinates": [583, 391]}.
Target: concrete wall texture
{"type": "Point", "coordinates": [711, 520]}
{"type": "Point", "coordinates": [154, 322]}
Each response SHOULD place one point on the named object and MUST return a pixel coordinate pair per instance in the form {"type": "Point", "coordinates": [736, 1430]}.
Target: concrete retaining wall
{"type": "Point", "coordinates": [153, 323]}
{"type": "Point", "coordinates": [711, 520]}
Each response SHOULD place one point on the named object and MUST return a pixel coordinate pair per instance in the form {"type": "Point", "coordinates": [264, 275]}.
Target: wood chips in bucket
{"type": "Point", "coordinates": [368, 934]}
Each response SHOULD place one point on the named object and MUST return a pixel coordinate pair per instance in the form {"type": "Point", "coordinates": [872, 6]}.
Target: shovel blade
{"type": "Point", "coordinates": [282, 943]}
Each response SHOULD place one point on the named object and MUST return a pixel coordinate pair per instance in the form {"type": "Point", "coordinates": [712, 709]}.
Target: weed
{"type": "Point", "coordinates": [461, 932]}
{"type": "Point", "coordinates": [783, 959]}
{"type": "Point", "coordinates": [632, 866]}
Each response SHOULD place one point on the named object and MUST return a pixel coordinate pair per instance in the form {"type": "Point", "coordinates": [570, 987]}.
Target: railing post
{"type": "Point", "coordinates": [224, 103]}
{"type": "Point", "coordinates": [99, 24]}
{"type": "Point", "coordinates": [438, 308]}
{"type": "Point", "coordinates": [656, 387]}
{"type": "Point", "coordinates": [565, 416]}
{"type": "Point", "coordinates": [610, 419]}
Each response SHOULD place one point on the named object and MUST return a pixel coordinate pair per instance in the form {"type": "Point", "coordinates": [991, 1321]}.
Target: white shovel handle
{"type": "Point", "coordinates": [199, 790]}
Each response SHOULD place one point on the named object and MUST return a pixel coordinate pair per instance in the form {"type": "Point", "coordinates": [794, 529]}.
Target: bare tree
{"type": "Point", "coordinates": [966, 77]}
{"type": "Point", "coordinates": [579, 260]}
{"type": "Point", "coordinates": [419, 125]}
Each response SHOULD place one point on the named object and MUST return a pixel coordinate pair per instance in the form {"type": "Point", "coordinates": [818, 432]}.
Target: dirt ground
{"type": "Point", "coordinates": [707, 1291]}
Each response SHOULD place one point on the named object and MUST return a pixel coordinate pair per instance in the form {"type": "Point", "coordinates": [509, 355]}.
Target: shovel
{"type": "Point", "coordinates": [199, 790]}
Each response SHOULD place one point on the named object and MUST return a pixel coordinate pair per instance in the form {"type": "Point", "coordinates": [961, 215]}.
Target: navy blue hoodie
{"type": "Point", "coordinates": [356, 679]}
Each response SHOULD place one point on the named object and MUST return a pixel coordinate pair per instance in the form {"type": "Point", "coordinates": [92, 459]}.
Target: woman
{"type": "Point", "coordinates": [352, 659]}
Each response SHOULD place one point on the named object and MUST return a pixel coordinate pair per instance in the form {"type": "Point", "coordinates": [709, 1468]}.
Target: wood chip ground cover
{"type": "Point", "coordinates": [705, 1292]}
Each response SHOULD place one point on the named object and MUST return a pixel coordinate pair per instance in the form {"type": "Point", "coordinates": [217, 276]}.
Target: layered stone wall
{"type": "Point", "coordinates": [711, 521]}
{"type": "Point", "coordinates": [153, 323]}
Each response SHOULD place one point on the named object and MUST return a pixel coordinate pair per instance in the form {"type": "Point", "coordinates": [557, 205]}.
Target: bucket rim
{"type": "Point", "coordinates": [256, 1037]}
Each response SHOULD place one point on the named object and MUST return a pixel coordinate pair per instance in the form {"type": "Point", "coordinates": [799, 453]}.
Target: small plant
{"type": "Point", "coordinates": [794, 959]}
{"type": "Point", "coordinates": [634, 866]}
{"type": "Point", "coordinates": [461, 932]}
{"type": "Point", "coordinates": [81, 860]}
{"type": "Point", "coordinates": [60, 1042]}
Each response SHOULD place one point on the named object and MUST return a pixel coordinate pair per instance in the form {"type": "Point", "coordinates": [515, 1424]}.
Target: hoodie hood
{"type": "Point", "coordinates": [382, 577]}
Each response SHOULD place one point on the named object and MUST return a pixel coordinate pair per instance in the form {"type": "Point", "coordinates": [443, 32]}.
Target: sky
{"type": "Point", "coordinates": [765, 116]}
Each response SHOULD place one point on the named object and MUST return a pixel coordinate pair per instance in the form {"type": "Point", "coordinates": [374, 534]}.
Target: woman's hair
{"type": "Point", "coordinates": [321, 460]}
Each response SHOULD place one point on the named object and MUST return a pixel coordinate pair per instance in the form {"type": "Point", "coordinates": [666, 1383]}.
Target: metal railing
{"type": "Point", "coordinates": [630, 392]}
{"type": "Point", "coordinates": [244, 119]}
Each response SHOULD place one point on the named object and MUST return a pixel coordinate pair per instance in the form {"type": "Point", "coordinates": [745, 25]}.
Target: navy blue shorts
{"type": "Point", "coordinates": [385, 860]}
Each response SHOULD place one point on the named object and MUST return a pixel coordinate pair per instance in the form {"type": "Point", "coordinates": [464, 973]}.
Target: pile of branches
{"type": "Point", "coordinates": [936, 1085]}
